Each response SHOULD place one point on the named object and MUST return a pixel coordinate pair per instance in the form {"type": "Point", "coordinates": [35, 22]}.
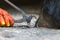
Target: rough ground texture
{"type": "Point", "coordinates": [29, 34]}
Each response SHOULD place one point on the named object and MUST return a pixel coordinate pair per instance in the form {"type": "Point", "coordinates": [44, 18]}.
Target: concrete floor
{"type": "Point", "coordinates": [29, 34]}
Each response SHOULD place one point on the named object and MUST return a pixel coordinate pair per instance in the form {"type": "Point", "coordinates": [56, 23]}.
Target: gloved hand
{"type": "Point", "coordinates": [5, 18]}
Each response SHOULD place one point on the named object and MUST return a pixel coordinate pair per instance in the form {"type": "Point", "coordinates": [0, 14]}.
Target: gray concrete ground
{"type": "Point", "coordinates": [29, 34]}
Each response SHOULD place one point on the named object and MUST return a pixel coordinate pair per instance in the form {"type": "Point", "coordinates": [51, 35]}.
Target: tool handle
{"type": "Point", "coordinates": [17, 8]}
{"type": "Point", "coordinates": [25, 17]}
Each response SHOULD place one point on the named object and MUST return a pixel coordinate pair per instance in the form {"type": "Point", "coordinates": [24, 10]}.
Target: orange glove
{"type": "Point", "coordinates": [5, 18]}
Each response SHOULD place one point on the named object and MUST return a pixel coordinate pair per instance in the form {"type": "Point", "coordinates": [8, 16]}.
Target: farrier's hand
{"type": "Point", "coordinates": [5, 18]}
